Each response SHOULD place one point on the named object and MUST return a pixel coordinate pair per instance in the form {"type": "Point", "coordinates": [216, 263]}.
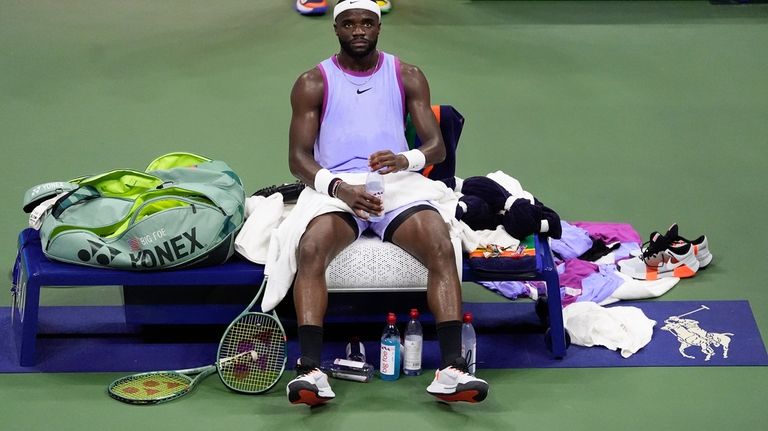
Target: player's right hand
{"type": "Point", "coordinates": [361, 202]}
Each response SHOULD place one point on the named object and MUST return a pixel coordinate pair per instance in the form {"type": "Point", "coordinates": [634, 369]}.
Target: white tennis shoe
{"type": "Point", "coordinates": [661, 259]}
{"type": "Point", "coordinates": [454, 383]}
{"type": "Point", "coordinates": [310, 387]}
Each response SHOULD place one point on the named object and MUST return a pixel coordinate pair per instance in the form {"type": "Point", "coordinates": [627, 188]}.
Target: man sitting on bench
{"type": "Point", "coordinates": [348, 116]}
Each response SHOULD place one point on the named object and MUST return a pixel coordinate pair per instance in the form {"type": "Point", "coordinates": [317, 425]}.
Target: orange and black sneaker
{"type": "Point", "coordinates": [455, 383]}
{"type": "Point", "coordinates": [700, 245]}
{"type": "Point", "coordinates": [310, 387]}
{"type": "Point", "coordinates": [312, 7]}
{"type": "Point", "coordinates": [662, 258]}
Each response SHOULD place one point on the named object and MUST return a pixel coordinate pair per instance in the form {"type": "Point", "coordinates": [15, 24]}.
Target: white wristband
{"type": "Point", "coordinates": [416, 159]}
{"type": "Point", "coordinates": [323, 179]}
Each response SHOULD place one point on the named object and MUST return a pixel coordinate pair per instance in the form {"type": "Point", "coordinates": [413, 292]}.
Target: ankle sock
{"type": "Point", "coordinates": [311, 345]}
{"type": "Point", "coordinates": [449, 337]}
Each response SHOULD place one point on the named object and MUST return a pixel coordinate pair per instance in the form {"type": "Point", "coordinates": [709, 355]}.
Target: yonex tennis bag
{"type": "Point", "coordinates": [183, 211]}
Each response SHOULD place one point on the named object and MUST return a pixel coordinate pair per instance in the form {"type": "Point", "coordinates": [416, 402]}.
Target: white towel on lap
{"type": "Point", "coordinates": [401, 188]}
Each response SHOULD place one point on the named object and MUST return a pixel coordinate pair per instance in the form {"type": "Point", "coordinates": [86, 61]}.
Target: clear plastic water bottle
{"type": "Point", "coordinates": [414, 340]}
{"type": "Point", "coordinates": [389, 366]}
{"type": "Point", "coordinates": [469, 342]}
{"type": "Point", "coordinates": [374, 185]}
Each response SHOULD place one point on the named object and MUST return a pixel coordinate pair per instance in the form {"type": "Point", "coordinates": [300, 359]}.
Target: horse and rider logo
{"type": "Point", "coordinates": [690, 334]}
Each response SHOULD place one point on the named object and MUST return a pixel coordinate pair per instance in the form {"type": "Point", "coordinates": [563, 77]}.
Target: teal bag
{"type": "Point", "coordinates": [183, 211]}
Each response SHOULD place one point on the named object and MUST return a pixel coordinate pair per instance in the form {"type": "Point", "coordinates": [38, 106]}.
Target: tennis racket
{"type": "Point", "coordinates": [158, 386]}
{"type": "Point", "coordinates": [251, 359]}
{"type": "Point", "coordinates": [161, 386]}
{"type": "Point", "coordinates": [263, 336]}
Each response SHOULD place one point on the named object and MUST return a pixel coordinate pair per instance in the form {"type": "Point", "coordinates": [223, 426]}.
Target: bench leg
{"type": "Point", "coordinates": [25, 324]}
{"type": "Point", "coordinates": [556, 328]}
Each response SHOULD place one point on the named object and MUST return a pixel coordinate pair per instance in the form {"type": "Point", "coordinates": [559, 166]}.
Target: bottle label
{"type": "Point", "coordinates": [388, 352]}
{"type": "Point", "coordinates": [412, 353]}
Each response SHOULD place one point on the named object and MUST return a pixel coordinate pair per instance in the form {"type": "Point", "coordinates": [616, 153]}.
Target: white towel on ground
{"type": "Point", "coordinates": [624, 328]}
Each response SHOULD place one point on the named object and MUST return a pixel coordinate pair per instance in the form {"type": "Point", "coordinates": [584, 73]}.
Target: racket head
{"type": "Point", "coordinates": [150, 388]}
{"type": "Point", "coordinates": [263, 336]}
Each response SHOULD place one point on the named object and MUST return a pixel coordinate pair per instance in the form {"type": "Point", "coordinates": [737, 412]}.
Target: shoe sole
{"type": "Point", "coordinates": [682, 271]}
{"type": "Point", "coordinates": [306, 395]}
{"type": "Point", "coordinates": [469, 395]}
{"type": "Point", "coordinates": [312, 11]}
{"type": "Point", "coordinates": [472, 396]}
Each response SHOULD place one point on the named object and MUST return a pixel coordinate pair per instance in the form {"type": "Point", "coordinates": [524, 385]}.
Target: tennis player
{"type": "Point", "coordinates": [348, 116]}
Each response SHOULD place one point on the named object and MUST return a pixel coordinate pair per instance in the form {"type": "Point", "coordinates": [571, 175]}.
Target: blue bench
{"type": "Point", "coordinates": [35, 271]}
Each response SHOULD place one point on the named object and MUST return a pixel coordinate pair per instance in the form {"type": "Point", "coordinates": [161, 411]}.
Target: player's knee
{"type": "Point", "coordinates": [442, 253]}
{"type": "Point", "coordinates": [311, 253]}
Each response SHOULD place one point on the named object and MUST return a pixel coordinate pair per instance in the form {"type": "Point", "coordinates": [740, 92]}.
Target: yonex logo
{"type": "Point", "coordinates": [103, 253]}
{"type": "Point", "coordinates": [167, 251]}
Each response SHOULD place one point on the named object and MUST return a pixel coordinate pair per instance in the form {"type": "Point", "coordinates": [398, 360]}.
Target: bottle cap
{"type": "Point", "coordinates": [391, 318]}
{"type": "Point", "coordinates": [414, 313]}
{"type": "Point", "coordinates": [467, 317]}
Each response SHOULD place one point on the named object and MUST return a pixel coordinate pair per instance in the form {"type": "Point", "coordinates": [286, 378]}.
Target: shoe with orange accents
{"type": "Point", "coordinates": [311, 7]}
{"type": "Point", "coordinates": [455, 383]}
{"type": "Point", "coordinates": [310, 387]}
{"type": "Point", "coordinates": [662, 258]}
{"type": "Point", "coordinates": [700, 245]}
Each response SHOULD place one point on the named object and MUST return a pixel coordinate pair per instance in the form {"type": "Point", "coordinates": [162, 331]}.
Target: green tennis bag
{"type": "Point", "coordinates": [183, 211]}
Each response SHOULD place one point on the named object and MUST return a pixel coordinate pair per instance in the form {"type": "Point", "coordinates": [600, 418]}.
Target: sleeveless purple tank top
{"type": "Point", "coordinates": [362, 113]}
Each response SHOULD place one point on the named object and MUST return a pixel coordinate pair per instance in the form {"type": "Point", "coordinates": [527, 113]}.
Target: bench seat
{"type": "Point", "coordinates": [35, 271]}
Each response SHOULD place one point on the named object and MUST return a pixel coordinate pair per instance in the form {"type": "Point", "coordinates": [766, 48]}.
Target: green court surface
{"type": "Point", "coordinates": [642, 112]}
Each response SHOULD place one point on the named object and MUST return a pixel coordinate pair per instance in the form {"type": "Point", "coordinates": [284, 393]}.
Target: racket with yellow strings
{"type": "Point", "coordinates": [251, 359]}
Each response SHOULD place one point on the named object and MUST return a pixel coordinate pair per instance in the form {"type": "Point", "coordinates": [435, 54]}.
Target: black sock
{"type": "Point", "coordinates": [449, 337]}
{"type": "Point", "coordinates": [310, 345]}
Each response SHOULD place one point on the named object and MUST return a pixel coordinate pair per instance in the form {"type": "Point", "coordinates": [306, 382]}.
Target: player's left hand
{"type": "Point", "coordinates": [387, 162]}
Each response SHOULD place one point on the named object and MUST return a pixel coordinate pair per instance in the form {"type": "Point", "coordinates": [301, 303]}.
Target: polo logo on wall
{"type": "Point", "coordinates": [689, 333]}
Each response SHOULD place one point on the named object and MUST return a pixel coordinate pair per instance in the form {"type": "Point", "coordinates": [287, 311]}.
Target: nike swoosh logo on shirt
{"type": "Point", "coordinates": [359, 91]}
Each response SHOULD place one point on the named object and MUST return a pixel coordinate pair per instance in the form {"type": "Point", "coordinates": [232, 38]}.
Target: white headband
{"type": "Point", "coordinates": [346, 5]}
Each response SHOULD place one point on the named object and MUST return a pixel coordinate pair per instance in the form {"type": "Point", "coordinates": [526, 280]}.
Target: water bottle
{"type": "Point", "coordinates": [414, 339]}
{"type": "Point", "coordinates": [469, 342]}
{"type": "Point", "coordinates": [389, 366]}
{"type": "Point", "coordinates": [374, 185]}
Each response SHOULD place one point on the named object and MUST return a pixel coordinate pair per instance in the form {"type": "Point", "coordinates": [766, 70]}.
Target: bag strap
{"type": "Point", "coordinates": [77, 196]}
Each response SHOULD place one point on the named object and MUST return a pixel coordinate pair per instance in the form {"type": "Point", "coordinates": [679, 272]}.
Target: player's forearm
{"type": "Point", "coordinates": [304, 167]}
{"type": "Point", "coordinates": [434, 151]}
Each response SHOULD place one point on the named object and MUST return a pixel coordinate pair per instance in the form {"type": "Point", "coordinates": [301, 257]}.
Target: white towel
{"type": "Point", "coordinates": [633, 289]}
{"type": "Point", "coordinates": [625, 328]}
{"type": "Point", "coordinates": [512, 186]}
{"type": "Point", "coordinates": [263, 215]}
{"type": "Point", "coordinates": [401, 188]}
